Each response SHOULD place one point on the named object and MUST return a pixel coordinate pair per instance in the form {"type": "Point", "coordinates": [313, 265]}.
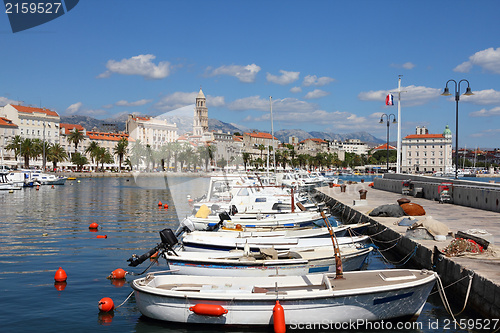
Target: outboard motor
{"type": "Point", "coordinates": [233, 210]}
{"type": "Point", "coordinates": [184, 225]}
{"type": "Point", "coordinates": [168, 240]}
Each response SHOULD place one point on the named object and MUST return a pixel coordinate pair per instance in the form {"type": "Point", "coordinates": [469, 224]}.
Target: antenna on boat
{"type": "Point", "coordinates": [339, 272]}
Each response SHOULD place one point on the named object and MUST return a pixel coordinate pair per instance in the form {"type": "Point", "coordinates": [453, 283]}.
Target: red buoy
{"type": "Point", "coordinates": [160, 204]}
{"type": "Point", "coordinates": [38, 187]}
{"type": "Point", "coordinates": [117, 274]}
{"type": "Point", "coordinates": [165, 206]}
{"type": "Point", "coordinates": [208, 310]}
{"type": "Point", "coordinates": [106, 304]}
{"type": "Point", "coordinates": [60, 275]}
{"type": "Point", "coordinates": [93, 226]}
{"type": "Point", "coordinates": [102, 236]}
{"type": "Point", "coordinates": [279, 318]}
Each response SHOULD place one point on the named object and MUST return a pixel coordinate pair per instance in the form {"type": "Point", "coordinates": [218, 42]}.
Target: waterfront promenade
{"type": "Point", "coordinates": [485, 292]}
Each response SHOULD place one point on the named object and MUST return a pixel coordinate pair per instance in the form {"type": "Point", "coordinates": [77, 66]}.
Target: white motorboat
{"type": "Point", "coordinates": [297, 219]}
{"type": "Point", "coordinates": [48, 179]}
{"type": "Point", "coordinates": [6, 184]}
{"type": "Point", "coordinates": [205, 243]}
{"type": "Point", "coordinates": [314, 298]}
{"type": "Point", "coordinates": [265, 262]}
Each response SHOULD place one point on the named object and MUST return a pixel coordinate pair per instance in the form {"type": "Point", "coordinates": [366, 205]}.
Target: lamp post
{"type": "Point", "coordinates": [388, 118]}
{"type": "Point", "coordinates": [446, 92]}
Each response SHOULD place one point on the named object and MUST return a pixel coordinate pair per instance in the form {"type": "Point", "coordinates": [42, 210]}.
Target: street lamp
{"type": "Point", "coordinates": [388, 117]}
{"type": "Point", "coordinates": [446, 92]}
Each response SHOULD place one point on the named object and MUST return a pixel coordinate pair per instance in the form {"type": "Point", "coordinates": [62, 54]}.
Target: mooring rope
{"type": "Point", "coordinates": [446, 304]}
{"type": "Point", "coordinates": [126, 299]}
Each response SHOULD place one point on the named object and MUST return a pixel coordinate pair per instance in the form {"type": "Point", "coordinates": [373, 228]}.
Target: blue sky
{"type": "Point", "coordinates": [328, 65]}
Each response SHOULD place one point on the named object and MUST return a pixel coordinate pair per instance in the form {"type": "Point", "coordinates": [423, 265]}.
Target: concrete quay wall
{"type": "Point", "coordinates": [473, 194]}
{"type": "Point", "coordinates": [484, 296]}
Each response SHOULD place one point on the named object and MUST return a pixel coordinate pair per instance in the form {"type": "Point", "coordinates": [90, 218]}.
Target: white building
{"type": "Point", "coordinates": [151, 131]}
{"type": "Point", "coordinates": [33, 123]}
{"type": "Point", "coordinates": [424, 152]}
{"type": "Point", "coordinates": [8, 130]}
{"type": "Point", "coordinates": [350, 146]}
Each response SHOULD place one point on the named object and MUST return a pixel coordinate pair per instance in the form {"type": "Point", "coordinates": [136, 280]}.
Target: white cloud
{"type": "Point", "coordinates": [285, 78]}
{"type": "Point", "coordinates": [245, 74]}
{"type": "Point", "coordinates": [74, 108]}
{"type": "Point", "coordinates": [406, 65]}
{"type": "Point", "coordinates": [313, 80]}
{"type": "Point", "coordinates": [295, 90]}
{"type": "Point", "coordinates": [486, 113]}
{"type": "Point", "coordinates": [316, 93]}
{"type": "Point", "coordinates": [136, 103]}
{"type": "Point", "coordinates": [180, 99]}
{"type": "Point", "coordinates": [482, 97]}
{"type": "Point", "coordinates": [414, 95]}
{"type": "Point", "coordinates": [487, 133]}
{"type": "Point", "coordinates": [141, 65]}
{"type": "Point", "coordinates": [77, 108]}
{"type": "Point", "coordinates": [279, 105]}
{"type": "Point", "coordinates": [488, 59]}
{"type": "Point", "coordinates": [4, 101]}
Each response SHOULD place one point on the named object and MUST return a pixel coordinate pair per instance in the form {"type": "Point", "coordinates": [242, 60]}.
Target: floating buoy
{"type": "Point", "coordinates": [160, 204]}
{"type": "Point", "coordinates": [165, 206]}
{"type": "Point", "coordinates": [190, 200]}
{"type": "Point", "coordinates": [106, 304]}
{"type": "Point", "coordinates": [60, 286]}
{"type": "Point", "coordinates": [60, 275]}
{"type": "Point", "coordinates": [102, 236]}
{"type": "Point", "coordinates": [52, 186]}
{"type": "Point", "coordinates": [11, 191]}
{"type": "Point", "coordinates": [93, 225]}
{"type": "Point", "coordinates": [37, 187]}
{"type": "Point", "coordinates": [208, 310]}
{"type": "Point", "coordinates": [117, 274]}
{"type": "Point", "coordinates": [279, 318]}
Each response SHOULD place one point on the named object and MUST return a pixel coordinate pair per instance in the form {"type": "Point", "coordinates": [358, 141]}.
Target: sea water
{"type": "Point", "coordinates": [42, 230]}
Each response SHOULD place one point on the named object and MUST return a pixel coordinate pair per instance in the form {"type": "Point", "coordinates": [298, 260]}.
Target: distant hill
{"type": "Point", "coordinates": [185, 124]}
{"type": "Point", "coordinates": [283, 136]}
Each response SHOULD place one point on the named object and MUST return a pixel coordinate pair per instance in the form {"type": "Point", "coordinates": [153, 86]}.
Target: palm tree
{"type": "Point", "coordinates": [261, 147]}
{"type": "Point", "coordinates": [247, 159]}
{"type": "Point", "coordinates": [137, 153]}
{"type": "Point", "coordinates": [15, 145]}
{"type": "Point", "coordinates": [207, 154]}
{"type": "Point", "coordinates": [100, 156]}
{"type": "Point", "coordinates": [56, 154]}
{"type": "Point", "coordinates": [121, 150]}
{"type": "Point", "coordinates": [79, 160]}
{"type": "Point", "coordinates": [92, 150]}
{"type": "Point", "coordinates": [75, 137]}
{"type": "Point", "coordinates": [28, 150]}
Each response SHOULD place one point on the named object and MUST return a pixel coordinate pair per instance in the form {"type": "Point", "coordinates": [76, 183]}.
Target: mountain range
{"type": "Point", "coordinates": [185, 124]}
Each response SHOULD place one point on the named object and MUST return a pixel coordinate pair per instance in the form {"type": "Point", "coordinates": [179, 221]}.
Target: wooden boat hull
{"type": "Point", "coordinates": [314, 299]}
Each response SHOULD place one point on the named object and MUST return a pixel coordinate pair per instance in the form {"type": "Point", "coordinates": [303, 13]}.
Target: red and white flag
{"type": "Point", "coordinates": [389, 100]}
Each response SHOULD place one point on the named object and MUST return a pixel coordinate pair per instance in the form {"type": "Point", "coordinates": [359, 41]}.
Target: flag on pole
{"type": "Point", "coordinates": [389, 100]}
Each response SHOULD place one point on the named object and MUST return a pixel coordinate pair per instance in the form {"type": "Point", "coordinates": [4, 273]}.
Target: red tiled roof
{"type": "Point", "coordinates": [29, 109]}
{"type": "Point", "coordinates": [314, 140]}
{"type": "Point", "coordinates": [384, 147]}
{"type": "Point", "coordinates": [424, 136]}
{"type": "Point", "coordinates": [6, 122]}
{"type": "Point", "coordinates": [261, 135]}
{"type": "Point", "coordinates": [71, 127]}
{"type": "Point", "coordinates": [107, 136]}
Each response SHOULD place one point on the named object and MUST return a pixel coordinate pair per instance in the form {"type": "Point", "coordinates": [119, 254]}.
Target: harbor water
{"type": "Point", "coordinates": [42, 230]}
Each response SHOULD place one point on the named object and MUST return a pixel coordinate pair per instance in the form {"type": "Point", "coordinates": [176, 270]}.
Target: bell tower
{"type": "Point", "coordinates": [200, 122]}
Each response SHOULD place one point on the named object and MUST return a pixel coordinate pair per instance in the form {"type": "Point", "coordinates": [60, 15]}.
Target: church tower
{"type": "Point", "coordinates": [200, 122]}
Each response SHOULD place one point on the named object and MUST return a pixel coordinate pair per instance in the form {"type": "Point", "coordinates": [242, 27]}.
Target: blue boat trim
{"type": "Point", "coordinates": [391, 298]}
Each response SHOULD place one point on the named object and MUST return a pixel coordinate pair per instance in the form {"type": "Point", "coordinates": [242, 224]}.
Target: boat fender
{"type": "Point", "coordinates": [279, 318]}
{"type": "Point", "coordinates": [208, 310]}
{"type": "Point", "coordinates": [106, 304]}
